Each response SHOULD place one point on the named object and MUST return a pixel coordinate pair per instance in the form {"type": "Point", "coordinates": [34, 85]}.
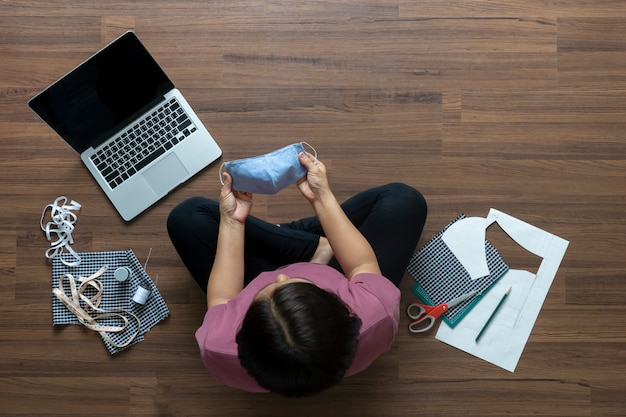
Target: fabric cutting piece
{"type": "Point", "coordinates": [441, 277]}
{"type": "Point", "coordinates": [505, 338]}
{"type": "Point", "coordinates": [472, 257]}
{"type": "Point", "coordinates": [115, 295]}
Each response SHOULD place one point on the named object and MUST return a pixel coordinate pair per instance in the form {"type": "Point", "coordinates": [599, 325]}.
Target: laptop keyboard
{"type": "Point", "coordinates": [143, 142]}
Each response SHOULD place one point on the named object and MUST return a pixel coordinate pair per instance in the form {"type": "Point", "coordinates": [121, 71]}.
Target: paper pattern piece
{"type": "Point", "coordinates": [504, 340]}
{"type": "Point", "coordinates": [115, 295]}
{"type": "Point", "coordinates": [441, 277]}
{"type": "Point", "coordinates": [472, 257]}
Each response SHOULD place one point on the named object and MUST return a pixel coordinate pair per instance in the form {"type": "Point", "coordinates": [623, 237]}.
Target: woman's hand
{"type": "Point", "coordinates": [315, 183]}
{"type": "Point", "coordinates": [234, 205]}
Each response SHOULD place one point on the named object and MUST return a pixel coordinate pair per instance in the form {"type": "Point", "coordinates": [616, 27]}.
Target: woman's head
{"type": "Point", "coordinates": [296, 338]}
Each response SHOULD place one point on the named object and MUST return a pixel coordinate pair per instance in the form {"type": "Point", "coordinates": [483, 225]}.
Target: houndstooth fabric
{"type": "Point", "coordinates": [116, 295]}
{"type": "Point", "coordinates": [440, 277]}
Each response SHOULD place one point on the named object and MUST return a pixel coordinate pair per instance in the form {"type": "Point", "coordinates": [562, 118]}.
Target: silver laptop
{"type": "Point", "coordinates": [134, 130]}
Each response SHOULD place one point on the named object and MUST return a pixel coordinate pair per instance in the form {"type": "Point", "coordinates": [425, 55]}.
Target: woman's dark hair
{"type": "Point", "coordinates": [299, 340]}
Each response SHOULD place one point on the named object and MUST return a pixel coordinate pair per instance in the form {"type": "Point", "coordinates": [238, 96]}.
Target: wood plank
{"type": "Point", "coordinates": [516, 106]}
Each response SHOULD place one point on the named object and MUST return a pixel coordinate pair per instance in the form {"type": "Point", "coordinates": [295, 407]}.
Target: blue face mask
{"type": "Point", "coordinates": [269, 173]}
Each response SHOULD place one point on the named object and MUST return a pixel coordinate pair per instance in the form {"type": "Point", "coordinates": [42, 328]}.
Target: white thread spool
{"type": "Point", "coordinates": [141, 295]}
{"type": "Point", "coordinates": [122, 274]}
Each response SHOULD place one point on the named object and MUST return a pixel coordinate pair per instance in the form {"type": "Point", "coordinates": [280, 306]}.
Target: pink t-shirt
{"type": "Point", "coordinates": [373, 298]}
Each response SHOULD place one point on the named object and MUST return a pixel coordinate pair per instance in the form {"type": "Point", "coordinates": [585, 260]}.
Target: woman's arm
{"type": "Point", "coordinates": [226, 277]}
{"type": "Point", "coordinates": [352, 250]}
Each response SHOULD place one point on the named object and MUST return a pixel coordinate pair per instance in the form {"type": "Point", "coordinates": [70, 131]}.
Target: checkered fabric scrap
{"type": "Point", "coordinates": [440, 276]}
{"type": "Point", "coordinates": [116, 295]}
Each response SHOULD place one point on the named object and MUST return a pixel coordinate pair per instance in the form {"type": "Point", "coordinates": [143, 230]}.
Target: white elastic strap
{"type": "Point", "coordinates": [84, 315]}
{"type": "Point", "coordinates": [62, 225]}
{"type": "Point", "coordinates": [309, 145]}
{"type": "Point", "coordinates": [220, 173]}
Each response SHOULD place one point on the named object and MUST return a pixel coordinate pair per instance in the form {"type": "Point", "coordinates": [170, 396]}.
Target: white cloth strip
{"type": "Point", "coordinates": [62, 225]}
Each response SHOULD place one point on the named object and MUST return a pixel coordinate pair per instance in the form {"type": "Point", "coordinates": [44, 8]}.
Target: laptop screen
{"type": "Point", "coordinates": [103, 94]}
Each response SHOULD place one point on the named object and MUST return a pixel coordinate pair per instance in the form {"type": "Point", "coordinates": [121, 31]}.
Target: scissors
{"type": "Point", "coordinates": [424, 316]}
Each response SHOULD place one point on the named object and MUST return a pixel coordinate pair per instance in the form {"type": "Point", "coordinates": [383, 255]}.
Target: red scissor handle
{"type": "Point", "coordinates": [425, 317]}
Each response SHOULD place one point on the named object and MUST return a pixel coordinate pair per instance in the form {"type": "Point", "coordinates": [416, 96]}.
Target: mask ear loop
{"type": "Point", "coordinates": [220, 172]}
{"type": "Point", "coordinates": [309, 145]}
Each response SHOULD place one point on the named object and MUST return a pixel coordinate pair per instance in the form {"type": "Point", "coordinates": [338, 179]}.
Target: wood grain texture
{"type": "Point", "coordinates": [517, 106]}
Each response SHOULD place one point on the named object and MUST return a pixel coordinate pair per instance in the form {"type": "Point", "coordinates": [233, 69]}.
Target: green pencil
{"type": "Point", "coordinates": [492, 314]}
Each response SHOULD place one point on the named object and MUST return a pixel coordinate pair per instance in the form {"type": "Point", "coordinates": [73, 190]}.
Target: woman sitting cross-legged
{"type": "Point", "coordinates": [295, 307]}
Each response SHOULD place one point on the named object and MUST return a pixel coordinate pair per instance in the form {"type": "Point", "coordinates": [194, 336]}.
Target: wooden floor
{"type": "Point", "coordinates": [520, 106]}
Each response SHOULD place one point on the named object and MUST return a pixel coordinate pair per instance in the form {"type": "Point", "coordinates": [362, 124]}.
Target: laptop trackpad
{"type": "Point", "coordinates": [166, 174]}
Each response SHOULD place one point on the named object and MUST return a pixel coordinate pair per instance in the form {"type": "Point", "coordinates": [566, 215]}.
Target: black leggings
{"type": "Point", "coordinates": [391, 217]}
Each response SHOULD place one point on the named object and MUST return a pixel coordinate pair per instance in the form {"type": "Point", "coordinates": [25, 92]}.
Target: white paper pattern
{"type": "Point", "coordinates": [504, 340]}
